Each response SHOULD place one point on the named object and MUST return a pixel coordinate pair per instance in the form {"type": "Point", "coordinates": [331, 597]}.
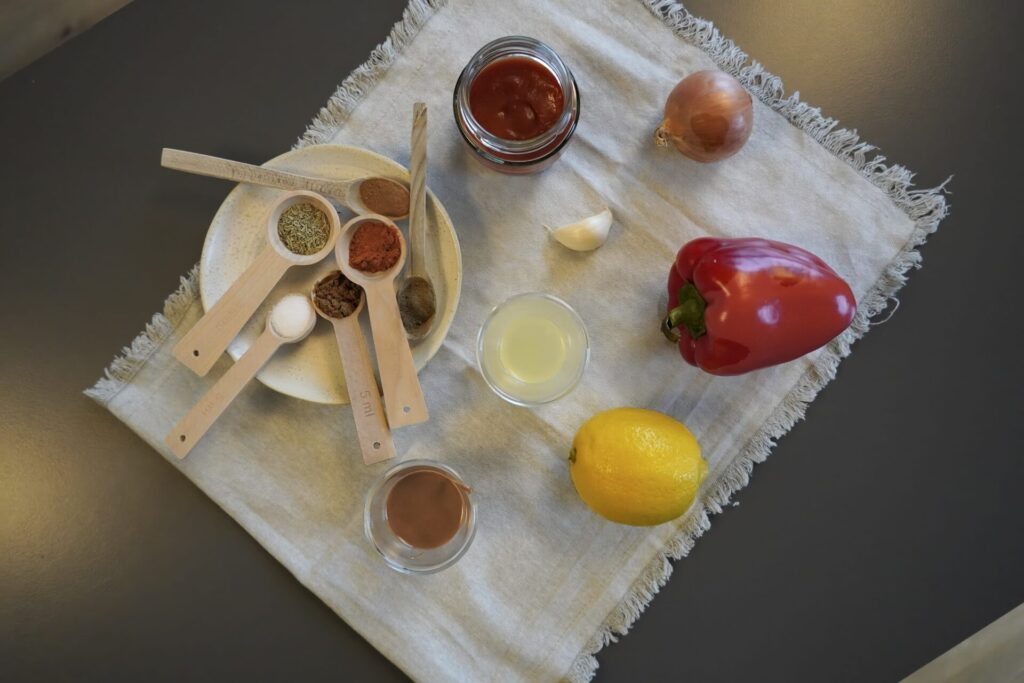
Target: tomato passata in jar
{"type": "Point", "coordinates": [516, 105]}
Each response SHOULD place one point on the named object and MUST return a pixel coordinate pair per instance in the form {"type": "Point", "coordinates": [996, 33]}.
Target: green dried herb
{"type": "Point", "coordinates": [303, 228]}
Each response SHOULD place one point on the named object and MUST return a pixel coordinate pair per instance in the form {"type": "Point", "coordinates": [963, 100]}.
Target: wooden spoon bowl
{"type": "Point", "coordinates": [403, 396]}
{"type": "Point", "coordinates": [191, 428]}
{"type": "Point", "coordinates": [202, 345]}
{"type": "Point", "coordinates": [416, 298]}
{"type": "Point", "coordinates": [344, 192]}
{"type": "Point", "coordinates": [375, 439]}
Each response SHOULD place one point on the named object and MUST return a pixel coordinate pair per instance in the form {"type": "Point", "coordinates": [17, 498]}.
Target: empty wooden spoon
{"type": "Point", "coordinates": [347, 192]}
{"type": "Point", "coordinates": [375, 440]}
{"type": "Point", "coordinates": [200, 348]}
{"type": "Point", "coordinates": [403, 396]}
{"type": "Point", "coordinates": [191, 428]}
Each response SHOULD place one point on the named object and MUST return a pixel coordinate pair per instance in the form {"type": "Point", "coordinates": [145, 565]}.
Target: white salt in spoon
{"type": "Point", "coordinates": [403, 396]}
{"type": "Point", "coordinates": [291, 320]}
{"type": "Point", "coordinates": [200, 348]}
{"type": "Point", "coordinates": [344, 192]}
{"type": "Point", "coordinates": [375, 440]}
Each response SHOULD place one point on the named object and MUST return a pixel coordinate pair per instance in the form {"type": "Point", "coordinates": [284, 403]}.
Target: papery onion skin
{"type": "Point", "coordinates": [708, 116]}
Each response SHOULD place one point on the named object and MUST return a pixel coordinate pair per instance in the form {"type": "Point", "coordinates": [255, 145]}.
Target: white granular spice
{"type": "Point", "coordinates": [292, 316]}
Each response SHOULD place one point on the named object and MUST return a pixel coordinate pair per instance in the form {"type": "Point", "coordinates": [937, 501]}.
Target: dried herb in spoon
{"type": "Point", "coordinates": [303, 228]}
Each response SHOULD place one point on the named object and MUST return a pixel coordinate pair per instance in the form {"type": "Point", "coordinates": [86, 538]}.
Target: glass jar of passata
{"type": "Point", "coordinates": [516, 105]}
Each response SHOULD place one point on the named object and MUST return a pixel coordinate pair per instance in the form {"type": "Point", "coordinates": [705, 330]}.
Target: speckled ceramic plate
{"type": "Point", "coordinates": [311, 370]}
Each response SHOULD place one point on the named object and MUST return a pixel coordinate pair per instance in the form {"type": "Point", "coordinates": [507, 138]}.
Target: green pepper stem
{"type": "Point", "coordinates": [689, 313]}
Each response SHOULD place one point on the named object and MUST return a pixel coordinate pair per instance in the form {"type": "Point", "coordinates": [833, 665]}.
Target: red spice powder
{"type": "Point", "coordinates": [374, 247]}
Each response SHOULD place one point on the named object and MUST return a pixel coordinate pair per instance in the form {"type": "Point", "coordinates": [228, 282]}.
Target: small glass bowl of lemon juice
{"type": "Point", "coordinates": [532, 349]}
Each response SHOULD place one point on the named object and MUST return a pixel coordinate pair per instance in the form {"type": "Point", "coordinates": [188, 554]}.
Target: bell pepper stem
{"type": "Point", "coordinates": [688, 313]}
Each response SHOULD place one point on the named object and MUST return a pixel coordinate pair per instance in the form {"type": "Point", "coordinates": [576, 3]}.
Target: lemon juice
{"type": "Point", "coordinates": [532, 349]}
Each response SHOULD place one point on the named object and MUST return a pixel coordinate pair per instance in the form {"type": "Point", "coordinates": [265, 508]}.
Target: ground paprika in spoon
{"type": "Point", "coordinates": [375, 247]}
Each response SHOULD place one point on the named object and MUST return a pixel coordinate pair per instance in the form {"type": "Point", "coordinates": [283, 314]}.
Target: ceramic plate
{"type": "Point", "coordinates": [311, 370]}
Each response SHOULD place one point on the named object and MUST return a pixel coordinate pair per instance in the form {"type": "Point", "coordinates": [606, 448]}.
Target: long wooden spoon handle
{"type": "Point", "coordinates": [403, 396]}
{"type": "Point", "coordinates": [367, 410]}
{"type": "Point", "coordinates": [418, 191]}
{"type": "Point", "coordinates": [191, 428]}
{"type": "Point", "coordinates": [215, 167]}
{"type": "Point", "coordinates": [202, 345]}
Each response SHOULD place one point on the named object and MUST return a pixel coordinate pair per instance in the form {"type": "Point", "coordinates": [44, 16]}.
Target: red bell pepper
{"type": "Point", "coordinates": [736, 305]}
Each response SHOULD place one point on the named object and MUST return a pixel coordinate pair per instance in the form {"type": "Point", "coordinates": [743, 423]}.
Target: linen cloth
{"type": "Point", "coordinates": [546, 582]}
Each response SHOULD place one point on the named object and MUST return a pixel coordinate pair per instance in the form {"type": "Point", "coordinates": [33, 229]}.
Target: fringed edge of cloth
{"type": "Point", "coordinates": [132, 357]}
{"type": "Point", "coordinates": [926, 207]}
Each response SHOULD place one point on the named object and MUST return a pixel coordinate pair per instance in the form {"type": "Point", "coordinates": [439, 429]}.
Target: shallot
{"type": "Point", "coordinates": [708, 116]}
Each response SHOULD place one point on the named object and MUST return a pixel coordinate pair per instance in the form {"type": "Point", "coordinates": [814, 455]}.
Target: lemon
{"type": "Point", "coordinates": [635, 466]}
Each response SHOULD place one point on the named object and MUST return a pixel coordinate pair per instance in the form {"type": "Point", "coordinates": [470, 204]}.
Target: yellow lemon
{"type": "Point", "coordinates": [635, 466]}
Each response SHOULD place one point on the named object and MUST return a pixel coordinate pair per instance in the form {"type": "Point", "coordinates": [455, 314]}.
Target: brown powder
{"type": "Point", "coordinates": [336, 296]}
{"type": "Point", "coordinates": [425, 508]}
{"type": "Point", "coordinates": [416, 303]}
{"type": "Point", "coordinates": [374, 247]}
{"type": "Point", "coordinates": [385, 197]}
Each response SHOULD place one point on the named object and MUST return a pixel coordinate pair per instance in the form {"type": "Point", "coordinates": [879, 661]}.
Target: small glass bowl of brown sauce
{"type": "Point", "coordinates": [420, 516]}
{"type": "Point", "coordinates": [516, 105]}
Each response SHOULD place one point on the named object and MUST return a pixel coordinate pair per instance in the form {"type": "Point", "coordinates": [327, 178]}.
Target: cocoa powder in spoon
{"type": "Point", "coordinates": [384, 197]}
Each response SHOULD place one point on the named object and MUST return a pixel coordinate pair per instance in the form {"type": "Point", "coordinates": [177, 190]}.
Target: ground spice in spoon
{"type": "Point", "coordinates": [303, 229]}
{"type": "Point", "coordinates": [336, 296]}
{"type": "Point", "coordinates": [374, 247]}
{"type": "Point", "coordinates": [385, 197]}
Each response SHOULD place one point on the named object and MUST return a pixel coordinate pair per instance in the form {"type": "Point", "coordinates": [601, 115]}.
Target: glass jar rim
{"type": "Point", "coordinates": [510, 46]}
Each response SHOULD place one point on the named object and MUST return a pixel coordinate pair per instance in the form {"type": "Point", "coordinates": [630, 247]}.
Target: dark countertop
{"type": "Point", "coordinates": [885, 529]}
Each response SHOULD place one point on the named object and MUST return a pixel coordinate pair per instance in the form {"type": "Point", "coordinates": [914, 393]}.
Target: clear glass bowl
{"type": "Point", "coordinates": [532, 349]}
{"type": "Point", "coordinates": [398, 554]}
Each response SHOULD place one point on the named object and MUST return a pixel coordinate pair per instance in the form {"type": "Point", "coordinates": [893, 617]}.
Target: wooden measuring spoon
{"type": "Point", "coordinates": [344, 192]}
{"type": "Point", "coordinates": [416, 299]}
{"type": "Point", "coordinates": [202, 345]}
{"type": "Point", "coordinates": [403, 396]}
{"type": "Point", "coordinates": [191, 428]}
{"type": "Point", "coordinates": [375, 440]}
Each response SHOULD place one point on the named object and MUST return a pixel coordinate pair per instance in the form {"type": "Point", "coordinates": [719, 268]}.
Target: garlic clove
{"type": "Point", "coordinates": [585, 235]}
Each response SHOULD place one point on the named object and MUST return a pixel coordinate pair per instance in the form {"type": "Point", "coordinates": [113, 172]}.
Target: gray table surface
{"type": "Point", "coordinates": [883, 530]}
